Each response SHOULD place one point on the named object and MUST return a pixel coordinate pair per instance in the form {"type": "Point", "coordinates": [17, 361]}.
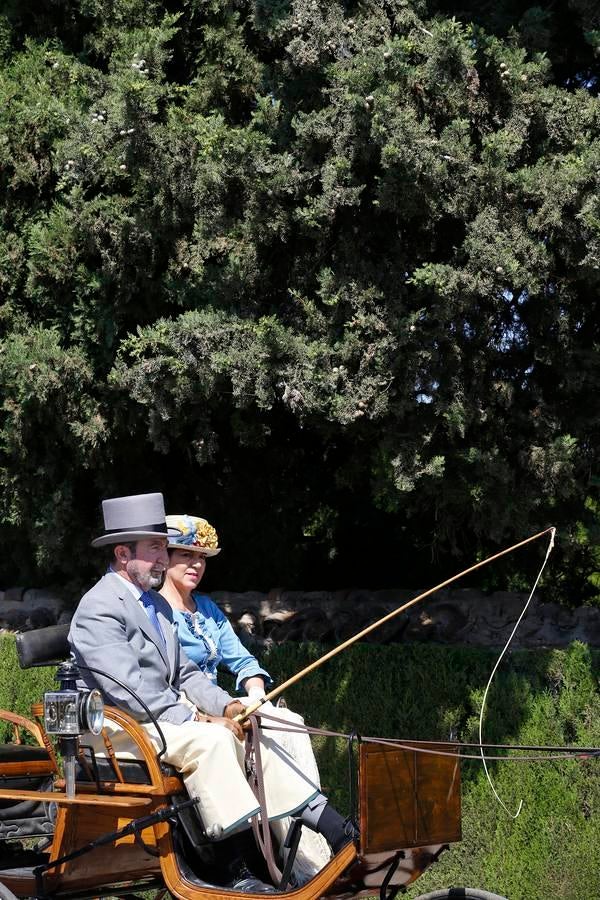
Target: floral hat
{"type": "Point", "coordinates": [196, 534]}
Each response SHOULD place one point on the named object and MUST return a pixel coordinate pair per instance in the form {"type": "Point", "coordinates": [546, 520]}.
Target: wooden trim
{"type": "Point", "coordinates": [128, 802]}
{"type": "Point", "coordinates": [22, 722]}
{"type": "Point", "coordinates": [34, 767]}
{"type": "Point", "coordinates": [185, 890]}
{"type": "Point", "coordinates": [170, 786]}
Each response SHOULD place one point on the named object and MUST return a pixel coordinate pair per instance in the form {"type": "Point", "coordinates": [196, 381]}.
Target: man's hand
{"type": "Point", "coordinates": [235, 727]}
{"type": "Point", "coordinates": [233, 709]}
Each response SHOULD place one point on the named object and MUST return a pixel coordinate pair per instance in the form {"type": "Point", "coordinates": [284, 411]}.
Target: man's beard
{"type": "Point", "coordinates": [146, 580]}
{"type": "Point", "coordinates": [155, 580]}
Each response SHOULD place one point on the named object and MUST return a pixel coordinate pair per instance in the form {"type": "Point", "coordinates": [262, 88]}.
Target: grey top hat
{"type": "Point", "coordinates": [134, 518]}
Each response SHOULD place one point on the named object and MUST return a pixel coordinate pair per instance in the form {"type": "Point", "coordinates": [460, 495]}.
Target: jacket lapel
{"type": "Point", "coordinates": [137, 614]}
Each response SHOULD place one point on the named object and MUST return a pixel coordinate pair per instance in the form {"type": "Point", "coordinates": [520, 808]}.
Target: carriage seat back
{"type": "Point", "coordinates": [27, 759]}
{"type": "Point", "coordinates": [43, 646]}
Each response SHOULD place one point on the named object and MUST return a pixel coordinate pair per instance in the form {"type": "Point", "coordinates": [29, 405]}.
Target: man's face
{"type": "Point", "coordinates": [147, 566]}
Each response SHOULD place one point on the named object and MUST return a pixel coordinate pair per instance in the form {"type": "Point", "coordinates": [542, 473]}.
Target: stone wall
{"type": "Point", "coordinates": [22, 609]}
{"type": "Point", "coordinates": [461, 616]}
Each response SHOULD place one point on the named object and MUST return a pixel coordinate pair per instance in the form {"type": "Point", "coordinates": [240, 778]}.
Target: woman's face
{"type": "Point", "coordinates": [186, 568]}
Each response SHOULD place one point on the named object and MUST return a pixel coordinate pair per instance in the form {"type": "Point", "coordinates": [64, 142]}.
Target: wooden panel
{"type": "Point", "coordinates": [438, 798]}
{"type": "Point", "coordinates": [89, 823]}
{"type": "Point", "coordinates": [387, 808]}
{"type": "Point", "coordinates": [123, 860]}
{"type": "Point", "coordinates": [407, 799]}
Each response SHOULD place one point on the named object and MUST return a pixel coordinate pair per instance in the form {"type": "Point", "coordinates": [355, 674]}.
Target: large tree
{"type": "Point", "coordinates": [324, 272]}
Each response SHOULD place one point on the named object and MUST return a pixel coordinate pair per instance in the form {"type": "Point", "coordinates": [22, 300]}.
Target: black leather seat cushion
{"type": "Point", "coordinates": [23, 783]}
{"type": "Point", "coordinates": [22, 753]}
{"type": "Point", "coordinates": [134, 771]}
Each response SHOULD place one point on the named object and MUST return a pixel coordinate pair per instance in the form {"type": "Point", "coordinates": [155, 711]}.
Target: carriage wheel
{"type": "Point", "coordinates": [458, 893]}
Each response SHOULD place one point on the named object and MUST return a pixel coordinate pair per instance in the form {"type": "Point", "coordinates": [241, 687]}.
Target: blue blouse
{"type": "Point", "coordinates": [208, 639]}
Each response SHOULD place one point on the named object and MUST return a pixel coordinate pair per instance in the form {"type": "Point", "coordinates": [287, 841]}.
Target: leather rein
{"type": "Point", "coordinates": [549, 753]}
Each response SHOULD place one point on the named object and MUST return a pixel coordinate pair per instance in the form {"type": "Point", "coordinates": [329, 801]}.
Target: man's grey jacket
{"type": "Point", "coordinates": [111, 632]}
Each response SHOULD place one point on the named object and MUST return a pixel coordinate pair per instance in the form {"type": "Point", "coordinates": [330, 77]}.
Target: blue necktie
{"type": "Point", "coordinates": [151, 613]}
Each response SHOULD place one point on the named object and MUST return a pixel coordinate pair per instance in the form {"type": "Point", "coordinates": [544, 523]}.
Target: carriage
{"type": "Point", "coordinates": [81, 826]}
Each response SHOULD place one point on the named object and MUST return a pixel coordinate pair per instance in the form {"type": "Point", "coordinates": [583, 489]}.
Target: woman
{"type": "Point", "coordinates": [204, 631]}
{"type": "Point", "coordinates": [209, 640]}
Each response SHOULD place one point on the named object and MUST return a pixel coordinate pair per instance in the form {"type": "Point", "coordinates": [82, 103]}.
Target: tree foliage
{"type": "Point", "coordinates": [324, 272]}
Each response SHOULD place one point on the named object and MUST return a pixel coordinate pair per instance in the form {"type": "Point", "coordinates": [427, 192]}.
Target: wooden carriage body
{"type": "Point", "coordinates": [131, 826]}
{"type": "Point", "coordinates": [409, 810]}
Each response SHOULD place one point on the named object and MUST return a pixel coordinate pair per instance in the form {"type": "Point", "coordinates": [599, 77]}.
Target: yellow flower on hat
{"type": "Point", "coordinates": [196, 534]}
{"type": "Point", "coordinates": [206, 535]}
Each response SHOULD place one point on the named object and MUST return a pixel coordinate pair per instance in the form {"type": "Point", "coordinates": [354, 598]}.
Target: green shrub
{"type": "Point", "coordinates": [18, 689]}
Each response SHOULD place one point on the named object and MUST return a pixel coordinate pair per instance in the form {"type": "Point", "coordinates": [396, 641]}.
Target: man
{"type": "Point", "coordinates": [125, 629]}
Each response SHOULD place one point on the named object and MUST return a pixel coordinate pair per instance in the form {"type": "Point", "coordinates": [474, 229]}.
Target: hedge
{"type": "Point", "coordinates": [552, 850]}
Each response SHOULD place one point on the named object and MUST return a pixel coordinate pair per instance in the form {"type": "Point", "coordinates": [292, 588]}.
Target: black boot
{"type": "Point", "coordinates": [336, 830]}
{"type": "Point", "coordinates": [320, 816]}
{"type": "Point", "coordinates": [242, 879]}
{"type": "Point", "coordinates": [238, 875]}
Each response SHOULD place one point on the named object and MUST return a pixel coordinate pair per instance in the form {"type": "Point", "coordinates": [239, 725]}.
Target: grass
{"type": "Point", "coordinates": [552, 850]}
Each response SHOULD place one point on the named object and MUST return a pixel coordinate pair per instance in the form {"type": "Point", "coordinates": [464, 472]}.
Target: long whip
{"type": "Point", "coordinates": [395, 612]}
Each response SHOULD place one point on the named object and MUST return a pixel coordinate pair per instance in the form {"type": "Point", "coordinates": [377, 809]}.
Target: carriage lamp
{"type": "Point", "coordinates": [68, 713]}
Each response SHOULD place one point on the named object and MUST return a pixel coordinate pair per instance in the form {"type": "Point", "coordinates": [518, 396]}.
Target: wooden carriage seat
{"type": "Point", "coordinates": [50, 646]}
{"type": "Point", "coordinates": [47, 646]}
{"type": "Point", "coordinates": [25, 767]}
